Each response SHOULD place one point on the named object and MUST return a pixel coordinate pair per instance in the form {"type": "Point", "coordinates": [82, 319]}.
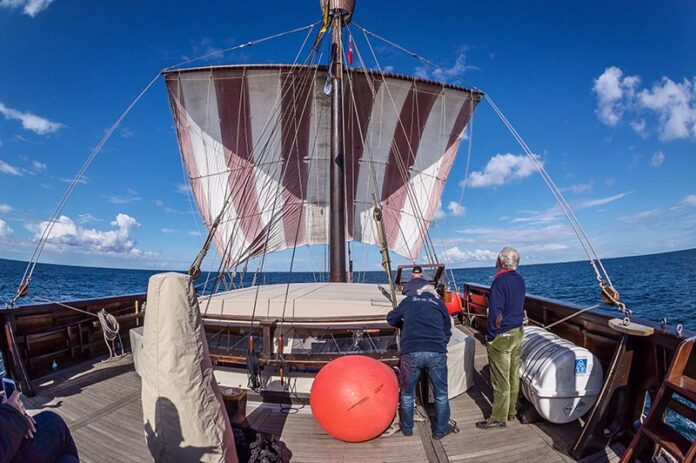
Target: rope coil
{"type": "Point", "coordinates": [109, 325]}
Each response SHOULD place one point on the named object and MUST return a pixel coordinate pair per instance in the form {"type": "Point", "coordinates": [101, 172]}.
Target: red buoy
{"type": "Point", "coordinates": [453, 302]}
{"type": "Point", "coordinates": [354, 398]}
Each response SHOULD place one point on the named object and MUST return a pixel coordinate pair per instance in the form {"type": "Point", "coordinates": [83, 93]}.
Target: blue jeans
{"type": "Point", "coordinates": [51, 443]}
{"type": "Point", "coordinates": [435, 365]}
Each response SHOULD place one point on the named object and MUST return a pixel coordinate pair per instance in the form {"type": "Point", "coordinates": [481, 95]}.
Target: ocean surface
{"type": "Point", "coordinates": [653, 286]}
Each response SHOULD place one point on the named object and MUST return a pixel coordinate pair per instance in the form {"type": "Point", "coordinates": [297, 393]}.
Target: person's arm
{"type": "Point", "coordinates": [13, 428]}
{"type": "Point", "coordinates": [496, 305]}
{"type": "Point", "coordinates": [447, 321]}
{"type": "Point", "coordinates": [396, 316]}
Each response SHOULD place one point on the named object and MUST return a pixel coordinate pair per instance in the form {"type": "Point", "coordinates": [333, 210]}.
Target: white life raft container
{"type": "Point", "coordinates": [560, 379]}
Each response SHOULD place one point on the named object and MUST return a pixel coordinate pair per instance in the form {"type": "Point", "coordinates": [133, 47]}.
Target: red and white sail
{"type": "Point", "coordinates": [258, 138]}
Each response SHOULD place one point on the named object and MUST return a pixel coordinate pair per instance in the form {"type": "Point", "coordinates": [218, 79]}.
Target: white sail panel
{"type": "Point", "coordinates": [256, 142]}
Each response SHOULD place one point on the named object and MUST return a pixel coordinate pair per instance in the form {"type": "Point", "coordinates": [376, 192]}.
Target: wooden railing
{"type": "Point", "coordinates": [37, 338]}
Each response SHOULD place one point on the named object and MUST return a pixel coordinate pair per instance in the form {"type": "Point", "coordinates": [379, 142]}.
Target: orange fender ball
{"type": "Point", "coordinates": [354, 398]}
{"type": "Point", "coordinates": [454, 305]}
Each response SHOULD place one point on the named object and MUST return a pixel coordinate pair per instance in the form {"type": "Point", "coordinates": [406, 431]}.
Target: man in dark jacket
{"type": "Point", "coordinates": [426, 329]}
{"type": "Point", "coordinates": [504, 336]}
{"type": "Point", "coordinates": [44, 438]}
{"type": "Point", "coordinates": [411, 287]}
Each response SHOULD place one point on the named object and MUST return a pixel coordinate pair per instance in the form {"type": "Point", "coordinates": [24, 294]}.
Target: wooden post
{"type": "Point", "coordinates": [137, 310]}
{"type": "Point", "coordinates": [15, 358]}
{"type": "Point", "coordinates": [592, 436]}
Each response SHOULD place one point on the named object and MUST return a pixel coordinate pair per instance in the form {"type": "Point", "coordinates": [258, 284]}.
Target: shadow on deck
{"type": "Point", "coordinates": [101, 404]}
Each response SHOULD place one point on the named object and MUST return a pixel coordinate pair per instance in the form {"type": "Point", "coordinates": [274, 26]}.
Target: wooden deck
{"type": "Point", "coordinates": [101, 404]}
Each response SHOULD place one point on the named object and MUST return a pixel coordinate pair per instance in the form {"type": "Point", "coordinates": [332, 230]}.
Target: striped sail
{"type": "Point", "coordinates": [258, 139]}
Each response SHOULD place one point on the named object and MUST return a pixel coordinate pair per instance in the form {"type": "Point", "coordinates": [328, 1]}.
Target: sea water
{"type": "Point", "coordinates": [654, 286]}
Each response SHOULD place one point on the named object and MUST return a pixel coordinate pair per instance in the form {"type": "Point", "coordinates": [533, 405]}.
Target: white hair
{"type": "Point", "coordinates": [427, 289]}
{"type": "Point", "coordinates": [509, 258]}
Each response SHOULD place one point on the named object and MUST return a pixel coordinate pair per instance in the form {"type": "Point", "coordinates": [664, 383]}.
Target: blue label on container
{"type": "Point", "coordinates": [581, 366]}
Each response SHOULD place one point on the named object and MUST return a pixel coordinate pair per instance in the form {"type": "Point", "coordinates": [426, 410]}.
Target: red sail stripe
{"type": "Point", "coordinates": [179, 112]}
{"type": "Point", "coordinates": [402, 155]}
{"type": "Point", "coordinates": [235, 130]}
{"type": "Point", "coordinates": [448, 157]}
{"type": "Point", "coordinates": [297, 88]}
{"type": "Point", "coordinates": [355, 130]}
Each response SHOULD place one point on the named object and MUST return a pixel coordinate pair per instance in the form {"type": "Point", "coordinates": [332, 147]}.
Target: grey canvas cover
{"type": "Point", "coordinates": [183, 412]}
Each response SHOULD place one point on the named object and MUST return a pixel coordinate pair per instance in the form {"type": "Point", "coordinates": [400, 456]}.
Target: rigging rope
{"type": "Point", "coordinates": [243, 45]}
{"type": "Point", "coordinates": [601, 274]}
{"type": "Point", "coordinates": [23, 288]}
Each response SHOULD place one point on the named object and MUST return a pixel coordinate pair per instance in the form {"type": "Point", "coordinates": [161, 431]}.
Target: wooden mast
{"type": "Point", "coordinates": [340, 12]}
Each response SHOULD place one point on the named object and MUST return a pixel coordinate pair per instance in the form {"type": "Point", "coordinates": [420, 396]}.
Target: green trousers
{"type": "Point", "coordinates": [504, 361]}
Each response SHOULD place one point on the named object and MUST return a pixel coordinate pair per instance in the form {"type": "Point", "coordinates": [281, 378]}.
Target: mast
{"type": "Point", "coordinates": [340, 13]}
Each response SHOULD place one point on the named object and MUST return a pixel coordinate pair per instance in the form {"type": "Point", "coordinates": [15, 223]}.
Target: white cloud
{"type": "Point", "coordinates": [454, 254]}
{"type": "Point", "coordinates": [5, 208]}
{"type": "Point", "coordinates": [29, 7]}
{"type": "Point", "coordinates": [183, 188]}
{"type": "Point", "coordinates": [639, 127]}
{"type": "Point", "coordinates": [642, 216]}
{"type": "Point", "coordinates": [30, 121]}
{"type": "Point", "coordinates": [612, 90]}
{"type": "Point", "coordinates": [675, 105]}
{"type": "Point", "coordinates": [658, 159]}
{"type": "Point", "coordinates": [39, 166]}
{"type": "Point", "coordinates": [131, 196]}
{"type": "Point", "coordinates": [600, 201]}
{"type": "Point", "coordinates": [686, 201]}
{"type": "Point", "coordinates": [548, 247]}
{"type": "Point", "coordinates": [501, 169]}
{"type": "Point", "coordinates": [168, 230]}
{"type": "Point", "coordinates": [66, 235]}
{"type": "Point", "coordinates": [195, 233]}
{"type": "Point", "coordinates": [538, 217]}
{"type": "Point", "coordinates": [518, 236]}
{"type": "Point", "coordinates": [5, 229]}
{"type": "Point", "coordinates": [579, 188]}
{"type": "Point", "coordinates": [86, 218]}
{"type": "Point", "coordinates": [447, 74]}
{"type": "Point", "coordinates": [126, 133]}
{"type": "Point", "coordinates": [456, 209]}
{"type": "Point", "coordinates": [671, 104]}
{"type": "Point", "coordinates": [5, 168]}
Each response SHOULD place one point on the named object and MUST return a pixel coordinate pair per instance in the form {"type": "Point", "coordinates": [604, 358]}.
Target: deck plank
{"type": "Point", "coordinates": [101, 404]}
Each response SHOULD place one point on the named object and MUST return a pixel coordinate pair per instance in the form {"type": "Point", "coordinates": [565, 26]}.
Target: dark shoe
{"type": "Point", "coordinates": [490, 424]}
{"type": "Point", "coordinates": [407, 433]}
{"type": "Point", "coordinates": [512, 417]}
{"type": "Point", "coordinates": [453, 428]}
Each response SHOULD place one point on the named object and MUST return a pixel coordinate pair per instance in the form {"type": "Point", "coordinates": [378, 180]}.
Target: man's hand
{"type": "Point", "coordinates": [15, 401]}
{"type": "Point", "coordinates": [499, 320]}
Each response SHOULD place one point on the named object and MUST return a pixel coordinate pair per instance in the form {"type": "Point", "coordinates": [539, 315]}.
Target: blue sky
{"type": "Point", "coordinates": [604, 93]}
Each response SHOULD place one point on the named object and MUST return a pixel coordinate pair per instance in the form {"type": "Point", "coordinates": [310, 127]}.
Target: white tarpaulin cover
{"type": "Point", "coordinates": [183, 411]}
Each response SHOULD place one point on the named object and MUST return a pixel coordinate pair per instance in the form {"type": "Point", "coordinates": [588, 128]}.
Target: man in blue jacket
{"type": "Point", "coordinates": [44, 438]}
{"type": "Point", "coordinates": [504, 336]}
{"type": "Point", "coordinates": [426, 328]}
{"type": "Point", "coordinates": [411, 287]}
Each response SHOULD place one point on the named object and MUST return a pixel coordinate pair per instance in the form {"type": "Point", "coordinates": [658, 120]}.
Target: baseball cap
{"type": "Point", "coordinates": [417, 269]}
